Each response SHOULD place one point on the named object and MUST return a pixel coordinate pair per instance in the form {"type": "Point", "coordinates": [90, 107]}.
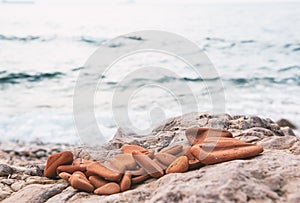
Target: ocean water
{"type": "Point", "coordinates": [255, 47]}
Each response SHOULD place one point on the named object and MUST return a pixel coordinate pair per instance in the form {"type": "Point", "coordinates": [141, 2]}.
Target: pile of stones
{"type": "Point", "coordinates": [137, 164]}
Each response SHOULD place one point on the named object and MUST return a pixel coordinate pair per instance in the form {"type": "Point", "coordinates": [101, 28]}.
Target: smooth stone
{"type": "Point", "coordinates": [104, 172]}
{"type": "Point", "coordinates": [128, 149]}
{"type": "Point", "coordinates": [81, 162]}
{"type": "Point", "coordinates": [140, 178]}
{"type": "Point", "coordinates": [79, 181]}
{"type": "Point", "coordinates": [199, 135]}
{"type": "Point", "coordinates": [125, 183]}
{"type": "Point", "coordinates": [115, 165]}
{"type": "Point", "coordinates": [70, 168]}
{"type": "Point", "coordinates": [229, 154]}
{"type": "Point", "coordinates": [174, 150]}
{"type": "Point", "coordinates": [97, 181]}
{"type": "Point", "coordinates": [161, 165]}
{"type": "Point", "coordinates": [140, 171]}
{"type": "Point", "coordinates": [65, 176]}
{"type": "Point", "coordinates": [180, 165]}
{"type": "Point", "coordinates": [108, 189]}
{"type": "Point", "coordinates": [148, 164]}
{"type": "Point", "coordinates": [165, 158]}
{"type": "Point", "coordinates": [56, 160]}
{"type": "Point", "coordinates": [127, 160]}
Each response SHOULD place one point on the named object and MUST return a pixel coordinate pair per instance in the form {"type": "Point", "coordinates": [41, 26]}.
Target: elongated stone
{"type": "Point", "coordinates": [104, 172]}
{"type": "Point", "coordinates": [148, 164]}
{"type": "Point", "coordinates": [81, 161]}
{"type": "Point", "coordinates": [174, 150]}
{"type": "Point", "coordinates": [228, 154]}
{"type": "Point", "coordinates": [79, 181]}
{"type": "Point", "coordinates": [140, 171]}
{"type": "Point", "coordinates": [180, 165]}
{"type": "Point", "coordinates": [199, 135]}
{"type": "Point", "coordinates": [165, 158]}
{"type": "Point", "coordinates": [140, 178]}
{"type": "Point", "coordinates": [161, 165]}
{"type": "Point", "coordinates": [127, 160]}
{"type": "Point", "coordinates": [108, 189]}
{"type": "Point", "coordinates": [97, 181]}
{"type": "Point", "coordinates": [125, 183]}
{"type": "Point", "coordinates": [56, 160]}
{"type": "Point", "coordinates": [64, 175]}
{"type": "Point", "coordinates": [128, 149]}
{"type": "Point", "coordinates": [114, 165]}
{"type": "Point", "coordinates": [70, 168]}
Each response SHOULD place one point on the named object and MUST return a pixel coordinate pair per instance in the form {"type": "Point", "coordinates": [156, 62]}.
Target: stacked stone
{"type": "Point", "coordinates": [137, 164]}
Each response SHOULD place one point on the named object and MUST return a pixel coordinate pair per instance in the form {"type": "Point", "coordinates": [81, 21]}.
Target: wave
{"type": "Point", "coordinates": [16, 78]}
{"type": "Point", "coordinates": [289, 68]}
{"type": "Point", "coordinates": [92, 40]}
{"type": "Point", "coordinates": [271, 80]}
{"type": "Point", "coordinates": [26, 38]}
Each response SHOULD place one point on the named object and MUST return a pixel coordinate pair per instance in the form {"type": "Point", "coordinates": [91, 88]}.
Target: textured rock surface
{"type": "Point", "coordinates": [273, 176]}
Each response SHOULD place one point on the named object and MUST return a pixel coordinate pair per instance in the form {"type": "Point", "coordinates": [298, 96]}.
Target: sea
{"type": "Point", "coordinates": [45, 44]}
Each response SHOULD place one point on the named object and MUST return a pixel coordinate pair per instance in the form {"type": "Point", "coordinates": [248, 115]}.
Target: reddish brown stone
{"type": "Point", "coordinates": [97, 181]}
{"type": "Point", "coordinates": [104, 172]}
{"type": "Point", "coordinates": [180, 165]}
{"type": "Point", "coordinates": [148, 164]}
{"type": "Point", "coordinates": [64, 175]}
{"type": "Point", "coordinates": [140, 178]}
{"type": "Point", "coordinates": [199, 135]}
{"type": "Point", "coordinates": [165, 158]}
{"type": "Point", "coordinates": [125, 183]}
{"type": "Point", "coordinates": [174, 150]}
{"type": "Point", "coordinates": [127, 160]}
{"type": "Point", "coordinates": [56, 160]}
{"type": "Point", "coordinates": [79, 181]}
{"type": "Point", "coordinates": [108, 189]}
{"type": "Point", "coordinates": [81, 161]}
{"type": "Point", "coordinates": [223, 155]}
{"type": "Point", "coordinates": [70, 168]}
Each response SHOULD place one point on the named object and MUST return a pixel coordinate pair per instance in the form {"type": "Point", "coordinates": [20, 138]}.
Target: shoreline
{"type": "Point", "coordinates": [22, 165]}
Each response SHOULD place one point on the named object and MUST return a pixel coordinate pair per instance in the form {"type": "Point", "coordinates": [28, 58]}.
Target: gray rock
{"type": "Point", "coordinates": [5, 170]}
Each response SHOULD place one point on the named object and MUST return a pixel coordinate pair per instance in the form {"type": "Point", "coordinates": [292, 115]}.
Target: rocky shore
{"type": "Point", "coordinates": [273, 176]}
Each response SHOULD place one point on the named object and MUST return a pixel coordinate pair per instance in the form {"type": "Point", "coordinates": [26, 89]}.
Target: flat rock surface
{"type": "Point", "coordinates": [273, 176]}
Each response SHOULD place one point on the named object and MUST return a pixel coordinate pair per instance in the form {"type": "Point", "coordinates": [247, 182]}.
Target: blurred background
{"type": "Point", "coordinates": [254, 45]}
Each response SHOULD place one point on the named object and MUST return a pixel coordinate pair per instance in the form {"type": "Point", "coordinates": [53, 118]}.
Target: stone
{"type": "Point", "coordinates": [35, 193]}
{"type": "Point", "coordinates": [56, 160]}
{"type": "Point", "coordinates": [104, 172]}
{"type": "Point", "coordinates": [286, 123]}
{"type": "Point", "coordinates": [65, 176]}
{"type": "Point", "coordinates": [223, 155]}
{"type": "Point", "coordinates": [5, 170]}
{"type": "Point", "coordinates": [79, 181]}
{"type": "Point", "coordinates": [148, 164]}
{"type": "Point", "coordinates": [198, 135]}
{"type": "Point", "coordinates": [70, 168]}
{"type": "Point", "coordinates": [108, 189]}
{"type": "Point", "coordinates": [165, 158]}
{"type": "Point", "coordinates": [174, 150]}
{"type": "Point", "coordinates": [127, 160]}
{"type": "Point", "coordinates": [97, 182]}
{"type": "Point", "coordinates": [125, 183]}
{"type": "Point", "coordinates": [180, 165]}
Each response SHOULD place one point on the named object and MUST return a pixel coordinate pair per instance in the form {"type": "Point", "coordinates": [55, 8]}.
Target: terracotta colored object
{"type": "Point", "coordinates": [104, 172]}
{"type": "Point", "coordinates": [152, 168]}
{"type": "Point", "coordinates": [165, 158]}
{"type": "Point", "coordinates": [127, 160]}
{"type": "Point", "coordinates": [70, 168]}
{"type": "Point", "coordinates": [125, 183]}
{"type": "Point", "coordinates": [140, 178]}
{"type": "Point", "coordinates": [180, 165]}
{"type": "Point", "coordinates": [137, 164]}
{"type": "Point", "coordinates": [198, 135]}
{"type": "Point", "coordinates": [223, 155]}
{"type": "Point", "coordinates": [64, 175]}
{"type": "Point", "coordinates": [172, 150]}
{"type": "Point", "coordinates": [97, 182]}
{"type": "Point", "coordinates": [108, 189]}
{"type": "Point", "coordinates": [56, 160]}
{"type": "Point", "coordinates": [80, 182]}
